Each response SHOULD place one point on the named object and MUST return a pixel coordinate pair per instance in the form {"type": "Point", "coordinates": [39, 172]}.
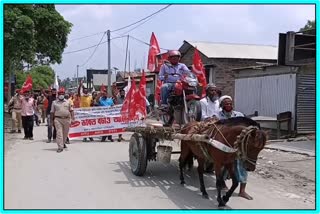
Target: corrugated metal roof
{"type": "Point", "coordinates": [238, 51]}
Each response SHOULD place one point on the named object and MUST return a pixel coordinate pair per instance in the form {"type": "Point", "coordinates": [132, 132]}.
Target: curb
{"type": "Point", "coordinates": [292, 150]}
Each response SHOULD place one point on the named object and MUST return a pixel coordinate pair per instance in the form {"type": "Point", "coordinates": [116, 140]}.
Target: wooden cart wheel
{"type": "Point", "coordinates": [138, 154]}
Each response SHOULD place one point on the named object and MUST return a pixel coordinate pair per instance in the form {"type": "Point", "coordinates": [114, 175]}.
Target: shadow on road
{"type": "Point", "coordinates": [166, 178]}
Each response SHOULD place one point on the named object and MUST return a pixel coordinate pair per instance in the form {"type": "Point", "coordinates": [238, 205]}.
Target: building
{"type": "Point", "coordinates": [122, 81]}
{"type": "Point", "coordinates": [97, 77]}
{"type": "Point", "coordinates": [220, 59]}
{"type": "Point", "coordinates": [288, 86]}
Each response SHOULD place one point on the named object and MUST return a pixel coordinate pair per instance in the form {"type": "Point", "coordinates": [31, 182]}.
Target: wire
{"type": "Point", "coordinates": [136, 26]}
{"type": "Point", "coordinates": [86, 36]}
{"type": "Point", "coordinates": [146, 43]}
{"type": "Point", "coordinates": [142, 19]}
{"type": "Point", "coordinates": [94, 50]}
{"type": "Point", "coordinates": [83, 37]}
{"type": "Point", "coordinates": [83, 49]}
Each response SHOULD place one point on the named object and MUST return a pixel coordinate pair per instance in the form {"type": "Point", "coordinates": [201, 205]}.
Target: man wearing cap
{"type": "Point", "coordinates": [241, 173]}
{"type": "Point", "coordinates": [15, 102]}
{"type": "Point", "coordinates": [169, 74]}
{"type": "Point", "coordinates": [227, 108]}
{"type": "Point", "coordinates": [61, 114]}
{"type": "Point", "coordinates": [210, 104]}
{"type": "Point", "coordinates": [28, 106]}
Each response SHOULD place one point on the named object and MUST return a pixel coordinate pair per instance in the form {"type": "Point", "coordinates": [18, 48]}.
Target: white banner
{"type": "Point", "coordinates": [100, 121]}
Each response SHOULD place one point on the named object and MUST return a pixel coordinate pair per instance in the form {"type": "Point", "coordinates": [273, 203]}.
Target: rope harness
{"type": "Point", "coordinates": [240, 145]}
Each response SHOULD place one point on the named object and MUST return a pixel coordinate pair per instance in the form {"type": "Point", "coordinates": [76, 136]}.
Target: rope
{"type": "Point", "coordinates": [205, 152]}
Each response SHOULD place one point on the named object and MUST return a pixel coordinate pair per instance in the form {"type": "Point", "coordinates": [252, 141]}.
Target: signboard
{"type": "Point", "coordinates": [99, 79]}
{"type": "Point", "coordinates": [100, 121]}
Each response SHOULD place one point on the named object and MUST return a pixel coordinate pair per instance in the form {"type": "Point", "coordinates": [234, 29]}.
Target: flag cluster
{"type": "Point", "coordinates": [135, 101]}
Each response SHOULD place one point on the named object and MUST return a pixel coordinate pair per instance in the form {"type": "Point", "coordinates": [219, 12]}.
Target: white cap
{"type": "Point", "coordinates": [224, 97]}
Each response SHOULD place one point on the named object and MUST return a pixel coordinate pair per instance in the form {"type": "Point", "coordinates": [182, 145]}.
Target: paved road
{"type": "Point", "coordinates": [98, 176]}
{"type": "Point", "coordinates": [297, 146]}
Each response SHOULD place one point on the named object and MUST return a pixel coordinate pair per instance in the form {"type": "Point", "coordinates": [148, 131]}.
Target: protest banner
{"type": "Point", "coordinates": [100, 121]}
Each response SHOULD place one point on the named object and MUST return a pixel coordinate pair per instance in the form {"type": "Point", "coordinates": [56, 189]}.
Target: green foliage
{"type": "Point", "coordinates": [310, 26]}
{"type": "Point", "coordinates": [34, 34]}
{"type": "Point", "coordinates": [42, 77]}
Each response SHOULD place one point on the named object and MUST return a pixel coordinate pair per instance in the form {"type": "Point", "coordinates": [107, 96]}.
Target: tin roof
{"type": "Point", "coordinates": [237, 51]}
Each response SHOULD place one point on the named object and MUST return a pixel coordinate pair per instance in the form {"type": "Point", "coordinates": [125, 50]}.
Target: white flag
{"type": "Point", "coordinates": [56, 84]}
{"type": "Point", "coordinates": [127, 88]}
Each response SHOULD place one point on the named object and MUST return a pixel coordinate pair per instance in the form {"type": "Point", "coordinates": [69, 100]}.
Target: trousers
{"type": "Point", "coordinates": [62, 127]}
{"type": "Point", "coordinates": [165, 90]}
{"type": "Point", "coordinates": [27, 123]}
{"type": "Point", "coordinates": [16, 120]}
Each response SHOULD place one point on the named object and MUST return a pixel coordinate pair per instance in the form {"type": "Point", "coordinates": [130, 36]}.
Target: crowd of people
{"type": "Point", "coordinates": [57, 107]}
{"type": "Point", "coordinates": [29, 108]}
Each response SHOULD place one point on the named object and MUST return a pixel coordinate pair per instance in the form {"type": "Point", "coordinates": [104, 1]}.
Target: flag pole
{"type": "Point", "coordinates": [129, 103]}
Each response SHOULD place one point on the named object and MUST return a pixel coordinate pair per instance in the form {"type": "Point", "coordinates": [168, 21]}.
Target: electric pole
{"type": "Point", "coordinates": [125, 63]}
{"type": "Point", "coordinates": [77, 75]}
{"type": "Point", "coordinates": [109, 64]}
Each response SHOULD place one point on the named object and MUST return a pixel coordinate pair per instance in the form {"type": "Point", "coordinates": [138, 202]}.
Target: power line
{"type": "Point", "coordinates": [83, 49]}
{"type": "Point", "coordinates": [142, 19]}
{"type": "Point", "coordinates": [136, 26]}
{"type": "Point", "coordinates": [146, 43]}
{"type": "Point", "coordinates": [94, 50]}
{"type": "Point", "coordinates": [83, 37]}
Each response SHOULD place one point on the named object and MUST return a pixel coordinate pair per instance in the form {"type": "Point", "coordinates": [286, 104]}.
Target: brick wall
{"type": "Point", "coordinates": [223, 69]}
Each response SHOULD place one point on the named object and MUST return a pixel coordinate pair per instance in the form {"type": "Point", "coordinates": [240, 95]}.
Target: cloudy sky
{"type": "Point", "coordinates": [246, 24]}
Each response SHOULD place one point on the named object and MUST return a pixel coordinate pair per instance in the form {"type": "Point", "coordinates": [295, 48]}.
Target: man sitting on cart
{"type": "Point", "coordinates": [170, 73]}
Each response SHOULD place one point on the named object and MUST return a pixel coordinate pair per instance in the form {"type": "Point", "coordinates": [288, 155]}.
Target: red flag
{"type": "Point", "coordinates": [153, 51]}
{"type": "Point", "coordinates": [140, 96]}
{"type": "Point", "coordinates": [199, 71]}
{"type": "Point", "coordinates": [27, 85]}
{"type": "Point", "coordinates": [102, 88]}
{"type": "Point", "coordinates": [128, 106]}
{"type": "Point", "coordinates": [157, 93]}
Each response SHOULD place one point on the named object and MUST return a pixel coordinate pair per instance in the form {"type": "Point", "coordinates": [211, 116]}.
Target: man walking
{"type": "Point", "coordinates": [86, 101]}
{"type": "Point", "coordinates": [40, 102]}
{"type": "Point", "coordinates": [51, 97]}
{"type": "Point", "coordinates": [16, 112]}
{"type": "Point", "coordinates": [28, 106]}
{"type": "Point", "coordinates": [241, 173]}
{"type": "Point", "coordinates": [61, 115]}
{"type": "Point", "coordinates": [104, 100]}
{"type": "Point", "coordinates": [120, 100]}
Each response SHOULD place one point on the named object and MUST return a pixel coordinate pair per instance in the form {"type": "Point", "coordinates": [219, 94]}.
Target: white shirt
{"type": "Point", "coordinates": [222, 115]}
{"type": "Point", "coordinates": [209, 108]}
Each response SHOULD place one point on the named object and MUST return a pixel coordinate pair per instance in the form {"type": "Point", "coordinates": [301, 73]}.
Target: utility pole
{"type": "Point", "coordinates": [125, 63]}
{"type": "Point", "coordinates": [77, 75]}
{"type": "Point", "coordinates": [129, 61]}
{"type": "Point", "coordinates": [109, 64]}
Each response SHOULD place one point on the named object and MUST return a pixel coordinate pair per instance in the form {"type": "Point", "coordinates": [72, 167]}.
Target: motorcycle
{"type": "Point", "coordinates": [183, 102]}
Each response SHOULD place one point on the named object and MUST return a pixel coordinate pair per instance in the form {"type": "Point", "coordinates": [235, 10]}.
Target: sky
{"type": "Point", "coordinates": [242, 24]}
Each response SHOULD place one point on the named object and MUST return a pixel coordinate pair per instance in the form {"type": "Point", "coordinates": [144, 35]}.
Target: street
{"type": "Point", "coordinates": [97, 175]}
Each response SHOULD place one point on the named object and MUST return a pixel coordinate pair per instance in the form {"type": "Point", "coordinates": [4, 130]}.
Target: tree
{"type": "Point", "coordinates": [35, 34]}
{"type": "Point", "coordinates": [309, 28]}
{"type": "Point", "coordinates": [42, 76]}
